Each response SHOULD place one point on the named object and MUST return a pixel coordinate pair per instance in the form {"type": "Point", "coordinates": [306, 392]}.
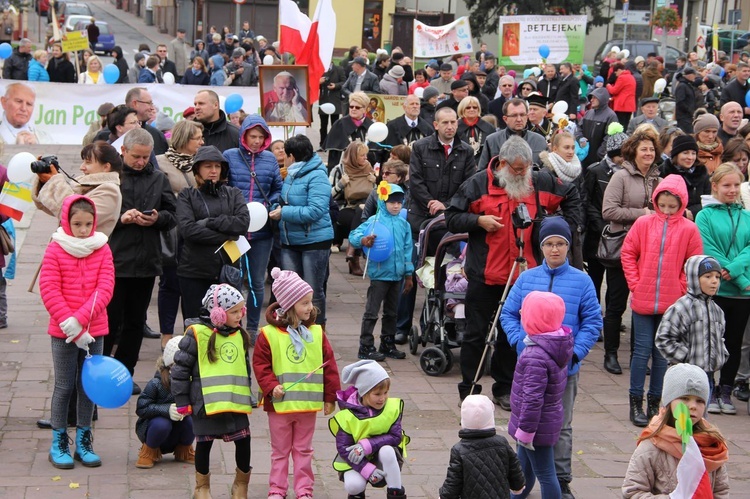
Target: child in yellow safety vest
{"type": "Point", "coordinates": [297, 373]}
{"type": "Point", "coordinates": [370, 442]}
{"type": "Point", "coordinates": [211, 381]}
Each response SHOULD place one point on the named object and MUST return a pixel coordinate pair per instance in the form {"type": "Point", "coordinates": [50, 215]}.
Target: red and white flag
{"type": "Point", "coordinates": [311, 42]}
{"type": "Point", "coordinates": [693, 481]}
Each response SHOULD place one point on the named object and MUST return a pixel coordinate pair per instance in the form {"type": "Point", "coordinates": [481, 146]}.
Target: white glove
{"type": "Point", "coordinates": [83, 341]}
{"type": "Point", "coordinates": [173, 414]}
{"type": "Point", "coordinates": [356, 453]}
{"type": "Point", "coordinates": [71, 327]}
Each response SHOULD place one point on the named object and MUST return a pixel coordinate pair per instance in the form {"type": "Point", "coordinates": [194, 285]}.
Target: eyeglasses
{"type": "Point", "coordinates": [149, 103]}
{"type": "Point", "coordinates": [162, 50]}
{"type": "Point", "coordinates": [516, 116]}
{"type": "Point", "coordinates": [555, 245]}
{"type": "Point", "coordinates": [385, 174]}
{"type": "Point", "coordinates": [471, 107]}
{"type": "Point", "coordinates": [356, 107]}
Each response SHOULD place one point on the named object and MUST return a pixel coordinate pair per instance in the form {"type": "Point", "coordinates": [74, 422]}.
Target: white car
{"type": "Point", "coordinates": [71, 21]}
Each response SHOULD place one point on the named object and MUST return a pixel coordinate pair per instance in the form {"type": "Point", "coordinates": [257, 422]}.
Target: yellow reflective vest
{"type": "Point", "coordinates": [225, 384]}
{"type": "Point", "coordinates": [289, 368]}
{"type": "Point", "coordinates": [380, 424]}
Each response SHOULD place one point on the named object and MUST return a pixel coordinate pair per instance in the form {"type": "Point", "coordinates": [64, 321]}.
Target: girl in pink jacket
{"type": "Point", "coordinates": [76, 283]}
{"type": "Point", "coordinates": [653, 260]}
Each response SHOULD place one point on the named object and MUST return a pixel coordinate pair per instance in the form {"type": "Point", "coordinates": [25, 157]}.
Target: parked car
{"type": "Point", "coordinates": [106, 40]}
{"type": "Point", "coordinates": [741, 39]}
{"type": "Point", "coordinates": [636, 48]}
{"type": "Point", "coordinates": [65, 9]}
{"type": "Point", "coordinates": [72, 21]}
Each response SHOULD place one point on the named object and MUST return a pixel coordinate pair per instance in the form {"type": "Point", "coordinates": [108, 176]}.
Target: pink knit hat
{"type": "Point", "coordinates": [542, 312]}
{"type": "Point", "coordinates": [288, 287]}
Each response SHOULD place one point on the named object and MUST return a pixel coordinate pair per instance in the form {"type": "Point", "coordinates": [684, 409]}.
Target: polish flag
{"type": "Point", "coordinates": [693, 481]}
{"type": "Point", "coordinates": [311, 42]}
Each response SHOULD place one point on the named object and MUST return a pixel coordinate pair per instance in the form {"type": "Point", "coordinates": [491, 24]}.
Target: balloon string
{"type": "Point", "coordinates": [384, 146]}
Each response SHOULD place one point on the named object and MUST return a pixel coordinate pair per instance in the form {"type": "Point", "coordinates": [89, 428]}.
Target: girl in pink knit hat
{"type": "Point", "coordinates": [293, 362]}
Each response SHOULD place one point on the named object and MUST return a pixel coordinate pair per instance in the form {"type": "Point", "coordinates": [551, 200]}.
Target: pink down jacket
{"type": "Point", "coordinates": [655, 251]}
{"type": "Point", "coordinates": [68, 284]}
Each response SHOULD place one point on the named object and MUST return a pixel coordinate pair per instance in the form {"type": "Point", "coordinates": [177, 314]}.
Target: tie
{"type": "Point", "coordinates": [413, 124]}
{"type": "Point", "coordinates": [447, 148]}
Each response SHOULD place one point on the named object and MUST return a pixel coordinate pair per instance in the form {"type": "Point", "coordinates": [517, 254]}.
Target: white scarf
{"type": "Point", "coordinates": [566, 171]}
{"type": "Point", "coordinates": [77, 247]}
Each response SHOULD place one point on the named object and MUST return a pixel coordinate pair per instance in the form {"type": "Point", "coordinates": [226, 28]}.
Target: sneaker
{"type": "Point", "coordinates": [725, 400]}
{"type": "Point", "coordinates": [389, 350]}
{"type": "Point", "coordinates": [503, 401]}
{"type": "Point", "coordinates": [741, 391]}
{"type": "Point", "coordinates": [370, 353]}
{"type": "Point", "coordinates": [565, 489]}
{"type": "Point", "coordinates": [713, 404]}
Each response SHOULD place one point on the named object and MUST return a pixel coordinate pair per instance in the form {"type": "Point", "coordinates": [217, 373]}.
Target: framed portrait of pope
{"type": "Point", "coordinates": [284, 95]}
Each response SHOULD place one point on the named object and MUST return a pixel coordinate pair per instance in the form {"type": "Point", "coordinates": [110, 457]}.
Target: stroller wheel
{"type": "Point", "coordinates": [433, 361]}
{"type": "Point", "coordinates": [449, 360]}
{"type": "Point", "coordinates": [414, 340]}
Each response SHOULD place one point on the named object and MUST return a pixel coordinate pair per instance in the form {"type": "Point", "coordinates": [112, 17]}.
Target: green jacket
{"type": "Point", "coordinates": [725, 230]}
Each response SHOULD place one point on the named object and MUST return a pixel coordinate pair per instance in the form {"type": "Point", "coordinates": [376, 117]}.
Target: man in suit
{"type": "Point", "coordinates": [649, 114]}
{"type": "Point", "coordinates": [568, 89]}
{"type": "Point", "coordinates": [409, 127]}
{"type": "Point", "coordinates": [506, 93]}
{"type": "Point", "coordinates": [361, 79]}
{"type": "Point", "coordinates": [165, 64]}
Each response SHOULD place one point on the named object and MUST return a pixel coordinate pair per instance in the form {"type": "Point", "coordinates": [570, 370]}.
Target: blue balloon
{"type": "Point", "coordinates": [544, 51]}
{"type": "Point", "coordinates": [584, 67]}
{"type": "Point", "coordinates": [383, 246]}
{"type": "Point", "coordinates": [747, 98]}
{"type": "Point", "coordinates": [106, 381]}
{"type": "Point", "coordinates": [5, 50]}
{"type": "Point", "coordinates": [111, 73]}
{"type": "Point", "coordinates": [403, 213]}
{"type": "Point", "coordinates": [233, 103]}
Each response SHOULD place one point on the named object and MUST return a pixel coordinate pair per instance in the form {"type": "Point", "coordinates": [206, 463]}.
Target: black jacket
{"type": "Point", "coordinates": [734, 92]}
{"type": "Point", "coordinates": [343, 133]}
{"type": "Point", "coordinates": [160, 141]}
{"type": "Point", "coordinates": [62, 71]}
{"type": "Point", "coordinates": [688, 98]}
{"type": "Point", "coordinates": [221, 133]}
{"type": "Point", "coordinates": [698, 182]}
{"type": "Point", "coordinates": [484, 465]}
{"type": "Point", "coordinates": [137, 249]}
{"type": "Point", "coordinates": [17, 66]}
{"type": "Point", "coordinates": [427, 112]}
{"type": "Point", "coordinates": [491, 83]}
{"type": "Point", "coordinates": [594, 184]}
{"type": "Point", "coordinates": [207, 218]}
{"type": "Point", "coordinates": [169, 67]}
{"type": "Point", "coordinates": [121, 64]}
{"type": "Point", "coordinates": [568, 91]}
{"type": "Point", "coordinates": [335, 75]}
{"type": "Point", "coordinates": [475, 135]}
{"type": "Point", "coordinates": [484, 102]}
{"type": "Point", "coordinates": [549, 88]}
{"type": "Point", "coordinates": [433, 176]}
{"type": "Point", "coordinates": [400, 132]}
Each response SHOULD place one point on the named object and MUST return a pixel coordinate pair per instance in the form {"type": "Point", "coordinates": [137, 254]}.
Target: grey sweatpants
{"type": "Point", "coordinates": [67, 359]}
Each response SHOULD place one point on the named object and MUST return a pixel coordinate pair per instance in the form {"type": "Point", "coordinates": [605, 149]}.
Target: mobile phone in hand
{"type": "Point", "coordinates": [148, 213]}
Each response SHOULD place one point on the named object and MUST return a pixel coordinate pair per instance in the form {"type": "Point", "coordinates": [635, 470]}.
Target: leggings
{"type": "Point", "coordinates": [241, 455]}
{"type": "Point", "coordinates": [354, 482]}
{"type": "Point", "coordinates": [67, 359]}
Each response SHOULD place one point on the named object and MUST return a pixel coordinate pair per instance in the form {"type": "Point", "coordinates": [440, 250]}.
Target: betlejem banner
{"type": "Point", "coordinates": [525, 40]}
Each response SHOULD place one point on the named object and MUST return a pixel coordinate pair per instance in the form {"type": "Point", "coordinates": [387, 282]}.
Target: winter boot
{"type": "Point", "coordinates": [184, 454]}
{"type": "Point", "coordinates": [388, 348]}
{"type": "Point", "coordinates": [59, 453]}
{"type": "Point", "coordinates": [370, 353]}
{"type": "Point", "coordinates": [713, 404]}
{"type": "Point", "coordinates": [611, 365]}
{"type": "Point", "coordinates": [148, 456]}
{"type": "Point", "coordinates": [239, 486]}
{"type": "Point", "coordinates": [652, 407]}
{"type": "Point", "coordinates": [636, 412]}
{"type": "Point", "coordinates": [202, 486]}
{"type": "Point", "coordinates": [84, 449]}
{"type": "Point", "coordinates": [353, 260]}
{"type": "Point", "coordinates": [396, 493]}
{"type": "Point", "coordinates": [725, 400]}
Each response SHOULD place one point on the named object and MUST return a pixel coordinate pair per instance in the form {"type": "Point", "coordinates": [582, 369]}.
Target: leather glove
{"type": "Point", "coordinates": [377, 477]}
{"type": "Point", "coordinates": [83, 341]}
{"type": "Point", "coordinates": [173, 414]}
{"type": "Point", "coordinates": [71, 327]}
{"type": "Point", "coordinates": [356, 453]}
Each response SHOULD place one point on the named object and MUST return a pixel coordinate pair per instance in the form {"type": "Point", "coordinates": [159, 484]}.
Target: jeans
{"type": "Point", "coordinates": [644, 331]}
{"type": "Point", "coordinates": [257, 258]}
{"type": "Point", "coordinates": [564, 446]}
{"type": "Point", "coordinates": [385, 293]}
{"type": "Point", "coordinates": [168, 299]}
{"type": "Point", "coordinates": [311, 266]}
{"type": "Point", "coordinates": [193, 291]}
{"type": "Point", "coordinates": [127, 312]}
{"type": "Point", "coordinates": [736, 313]}
{"type": "Point", "coordinates": [165, 434]}
{"type": "Point", "coordinates": [67, 360]}
{"type": "Point", "coordinates": [615, 303]}
{"type": "Point", "coordinates": [538, 464]}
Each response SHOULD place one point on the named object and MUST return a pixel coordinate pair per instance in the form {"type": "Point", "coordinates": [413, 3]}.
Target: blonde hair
{"type": "Point", "coordinates": [94, 58]}
{"type": "Point", "coordinates": [465, 102]}
{"type": "Point", "coordinates": [556, 138]}
{"type": "Point", "coordinates": [360, 98]}
{"type": "Point", "coordinates": [38, 54]}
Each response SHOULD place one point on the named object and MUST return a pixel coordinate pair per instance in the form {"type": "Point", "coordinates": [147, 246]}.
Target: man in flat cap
{"type": "Point", "coordinates": [649, 114]}
{"type": "Point", "coordinates": [459, 90]}
{"type": "Point", "coordinates": [361, 79]}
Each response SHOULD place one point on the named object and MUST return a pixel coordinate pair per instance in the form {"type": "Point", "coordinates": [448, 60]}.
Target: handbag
{"type": "Point", "coordinates": [6, 242]}
{"type": "Point", "coordinates": [610, 247]}
{"type": "Point", "coordinates": [169, 247]}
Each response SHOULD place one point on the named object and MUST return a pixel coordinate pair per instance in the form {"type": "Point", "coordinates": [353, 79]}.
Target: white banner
{"type": "Point", "coordinates": [526, 40]}
{"type": "Point", "coordinates": [438, 41]}
{"type": "Point", "coordinates": [62, 112]}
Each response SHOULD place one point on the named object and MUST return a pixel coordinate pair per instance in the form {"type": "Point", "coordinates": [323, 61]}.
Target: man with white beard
{"type": "Point", "coordinates": [484, 206]}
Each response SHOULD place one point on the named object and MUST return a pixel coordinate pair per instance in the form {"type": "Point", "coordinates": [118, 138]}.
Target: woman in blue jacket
{"type": "Point", "coordinates": [305, 223]}
{"type": "Point", "coordinates": [253, 169]}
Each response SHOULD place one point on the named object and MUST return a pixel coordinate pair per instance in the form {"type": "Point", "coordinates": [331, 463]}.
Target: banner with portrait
{"type": "Point", "coordinates": [61, 113]}
{"type": "Point", "coordinates": [384, 108]}
{"type": "Point", "coordinates": [439, 41]}
{"type": "Point", "coordinates": [522, 37]}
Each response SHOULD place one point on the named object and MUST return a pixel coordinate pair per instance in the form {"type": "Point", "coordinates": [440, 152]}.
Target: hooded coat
{"type": "Point", "coordinates": [691, 331]}
{"type": "Point", "coordinates": [594, 126]}
{"type": "Point", "coordinates": [305, 200]}
{"type": "Point", "coordinates": [207, 217]}
{"type": "Point", "coordinates": [77, 287]}
{"type": "Point", "coordinates": [218, 76]}
{"type": "Point", "coordinates": [655, 251]}
{"type": "Point", "coordinates": [121, 64]}
{"type": "Point", "coordinates": [255, 174]}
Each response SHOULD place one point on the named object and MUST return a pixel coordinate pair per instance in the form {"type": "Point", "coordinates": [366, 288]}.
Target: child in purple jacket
{"type": "Point", "coordinates": [536, 411]}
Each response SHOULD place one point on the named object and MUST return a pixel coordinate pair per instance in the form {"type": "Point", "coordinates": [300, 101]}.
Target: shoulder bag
{"type": "Point", "coordinates": [610, 247]}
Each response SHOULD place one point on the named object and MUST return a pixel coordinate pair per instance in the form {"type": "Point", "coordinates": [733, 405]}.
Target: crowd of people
{"type": "Point", "coordinates": [611, 190]}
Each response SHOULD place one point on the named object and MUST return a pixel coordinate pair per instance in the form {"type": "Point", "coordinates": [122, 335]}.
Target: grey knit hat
{"type": "Point", "coordinates": [430, 92]}
{"type": "Point", "coordinates": [364, 375]}
{"type": "Point", "coordinates": [684, 379]}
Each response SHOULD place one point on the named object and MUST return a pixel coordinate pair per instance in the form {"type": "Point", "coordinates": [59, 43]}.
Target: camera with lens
{"type": "Point", "coordinates": [521, 217]}
{"type": "Point", "coordinates": [45, 164]}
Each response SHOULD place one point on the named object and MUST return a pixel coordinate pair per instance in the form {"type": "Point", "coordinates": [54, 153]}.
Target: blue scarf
{"type": "Point", "coordinates": [297, 335]}
{"type": "Point", "coordinates": [196, 72]}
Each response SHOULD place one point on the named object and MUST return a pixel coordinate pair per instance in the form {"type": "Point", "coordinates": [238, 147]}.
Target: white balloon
{"type": "Point", "coordinates": [168, 78]}
{"type": "Point", "coordinates": [419, 92]}
{"type": "Point", "coordinates": [660, 85]}
{"type": "Point", "coordinates": [328, 108]}
{"type": "Point", "coordinates": [258, 216]}
{"type": "Point", "coordinates": [268, 60]}
{"type": "Point", "coordinates": [557, 117]}
{"type": "Point", "coordinates": [377, 132]}
{"type": "Point", "coordinates": [615, 49]}
{"type": "Point", "coordinates": [222, 103]}
{"type": "Point", "coordinates": [625, 53]}
{"type": "Point", "coordinates": [19, 167]}
{"type": "Point", "coordinates": [560, 107]}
